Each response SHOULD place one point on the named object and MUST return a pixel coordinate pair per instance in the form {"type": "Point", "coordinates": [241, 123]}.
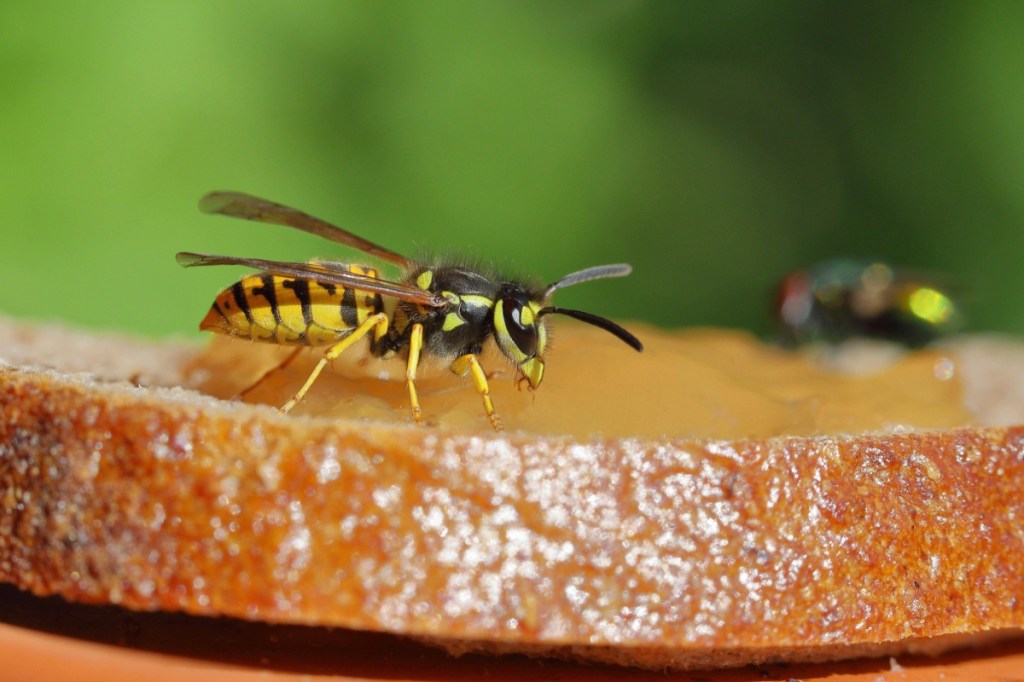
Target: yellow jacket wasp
{"type": "Point", "coordinates": [445, 310]}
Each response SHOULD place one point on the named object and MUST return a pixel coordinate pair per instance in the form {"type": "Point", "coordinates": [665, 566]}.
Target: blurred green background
{"type": "Point", "coordinates": [713, 145]}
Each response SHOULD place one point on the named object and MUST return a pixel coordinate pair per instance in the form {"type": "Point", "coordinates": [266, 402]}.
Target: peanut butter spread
{"type": "Point", "coordinates": [699, 383]}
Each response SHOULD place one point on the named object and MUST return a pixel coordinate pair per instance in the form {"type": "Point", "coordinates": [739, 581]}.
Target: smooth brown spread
{"type": "Point", "coordinates": [696, 383]}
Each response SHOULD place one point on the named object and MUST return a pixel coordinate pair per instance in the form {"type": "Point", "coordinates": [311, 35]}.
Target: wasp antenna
{"type": "Point", "coordinates": [587, 274]}
{"type": "Point", "coordinates": [597, 321]}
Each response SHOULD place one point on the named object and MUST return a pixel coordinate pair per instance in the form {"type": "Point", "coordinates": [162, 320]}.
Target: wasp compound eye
{"type": "Point", "coordinates": [519, 322]}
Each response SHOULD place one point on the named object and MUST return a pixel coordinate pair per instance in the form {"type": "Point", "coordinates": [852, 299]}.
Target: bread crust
{"type": "Point", "coordinates": [641, 551]}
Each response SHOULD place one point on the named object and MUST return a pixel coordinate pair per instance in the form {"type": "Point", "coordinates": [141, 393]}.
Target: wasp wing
{"type": "Point", "coordinates": [248, 207]}
{"type": "Point", "coordinates": [320, 272]}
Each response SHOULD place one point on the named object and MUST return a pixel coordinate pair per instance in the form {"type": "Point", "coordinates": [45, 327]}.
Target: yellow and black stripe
{"type": "Point", "coordinates": [291, 311]}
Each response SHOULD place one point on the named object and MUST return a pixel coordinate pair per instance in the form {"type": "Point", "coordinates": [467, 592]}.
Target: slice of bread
{"type": "Point", "coordinates": [891, 520]}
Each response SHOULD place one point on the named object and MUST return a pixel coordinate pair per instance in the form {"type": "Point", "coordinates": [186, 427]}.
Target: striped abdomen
{"type": "Point", "coordinates": [287, 310]}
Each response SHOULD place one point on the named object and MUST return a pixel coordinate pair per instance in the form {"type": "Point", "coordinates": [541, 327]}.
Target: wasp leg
{"type": "Point", "coordinates": [273, 370]}
{"type": "Point", "coordinates": [378, 321]}
{"type": "Point", "coordinates": [468, 364]}
{"type": "Point", "coordinates": [415, 348]}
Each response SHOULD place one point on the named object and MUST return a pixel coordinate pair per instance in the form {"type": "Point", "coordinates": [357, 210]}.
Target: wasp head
{"type": "Point", "coordinates": [519, 319]}
{"type": "Point", "coordinates": [519, 330]}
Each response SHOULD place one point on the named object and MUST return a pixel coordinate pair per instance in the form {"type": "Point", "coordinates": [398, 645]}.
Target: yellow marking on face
{"type": "Point", "coordinates": [508, 346]}
{"type": "Point", "coordinates": [542, 338]}
{"type": "Point", "coordinates": [526, 317]}
{"type": "Point", "coordinates": [451, 321]}
{"type": "Point", "coordinates": [533, 370]}
{"type": "Point", "coordinates": [424, 279]}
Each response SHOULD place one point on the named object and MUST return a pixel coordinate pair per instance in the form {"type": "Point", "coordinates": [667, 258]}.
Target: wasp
{"type": "Point", "coordinates": [848, 297]}
{"type": "Point", "coordinates": [443, 310]}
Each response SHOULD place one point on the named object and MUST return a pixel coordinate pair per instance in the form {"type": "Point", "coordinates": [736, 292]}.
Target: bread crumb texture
{"type": "Point", "coordinates": [661, 550]}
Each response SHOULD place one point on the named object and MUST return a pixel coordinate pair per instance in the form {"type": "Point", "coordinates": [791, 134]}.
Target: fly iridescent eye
{"type": "Point", "coordinates": [847, 298]}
